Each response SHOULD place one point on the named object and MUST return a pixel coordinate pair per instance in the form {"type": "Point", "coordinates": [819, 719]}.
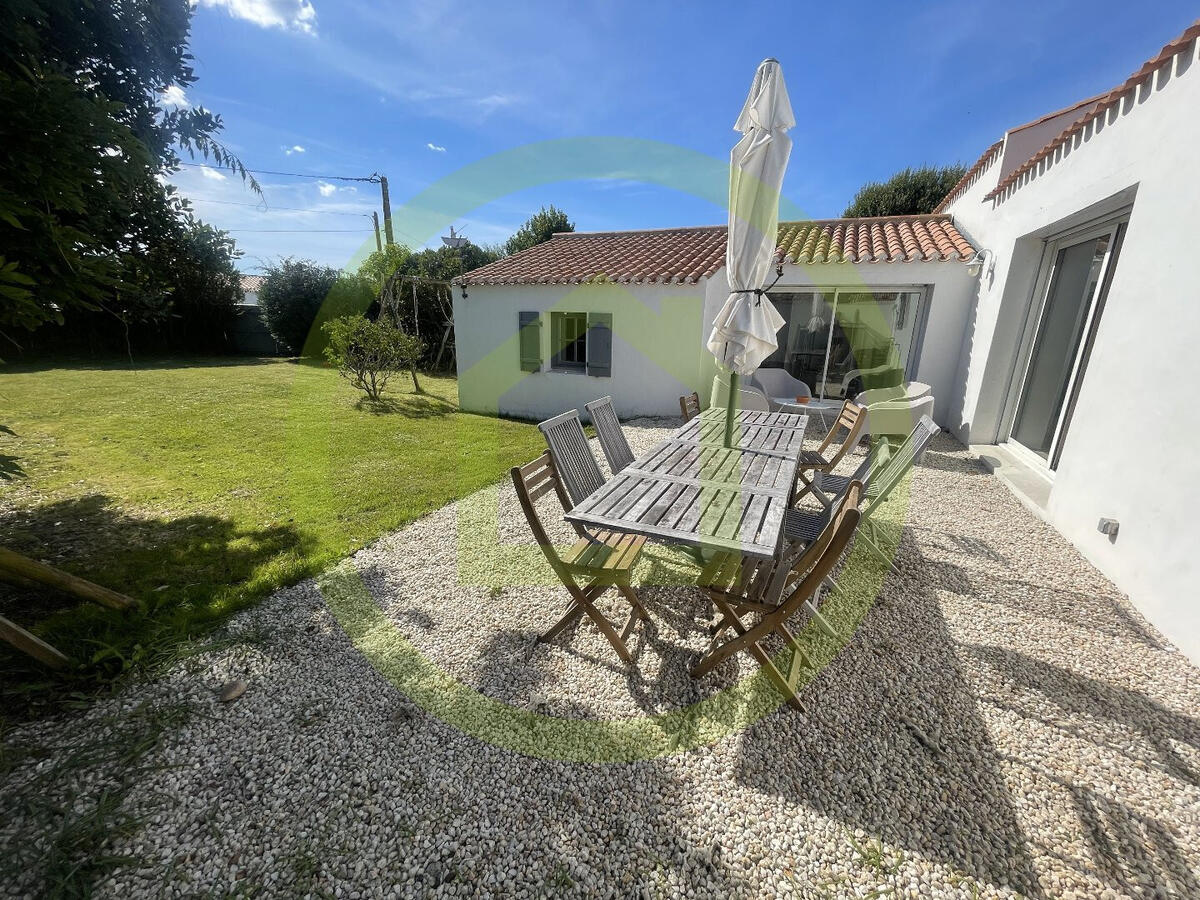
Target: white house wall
{"type": "Point", "coordinates": [656, 330]}
{"type": "Point", "coordinates": [1130, 453]}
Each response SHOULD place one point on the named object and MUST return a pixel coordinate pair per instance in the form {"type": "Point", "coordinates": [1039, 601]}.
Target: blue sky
{"type": "Point", "coordinates": [419, 90]}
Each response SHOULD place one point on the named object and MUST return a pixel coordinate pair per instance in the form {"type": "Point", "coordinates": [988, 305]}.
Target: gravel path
{"type": "Point", "coordinates": [1001, 723]}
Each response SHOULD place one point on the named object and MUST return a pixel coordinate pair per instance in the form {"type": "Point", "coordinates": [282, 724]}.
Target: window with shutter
{"type": "Point", "coordinates": [568, 340]}
{"type": "Point", "coordinates": [599, 344]}
{"type": "Point", "coordinates": [530, 339]}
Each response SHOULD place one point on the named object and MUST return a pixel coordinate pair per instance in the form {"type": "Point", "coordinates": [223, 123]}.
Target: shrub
{"type": "Point", "coordinates": [299, 296]}
{"type": "Point", "coordinates": [370, 353]}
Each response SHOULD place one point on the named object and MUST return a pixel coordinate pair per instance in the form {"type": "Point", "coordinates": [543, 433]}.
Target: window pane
{"type": "Point", "coordinates": [804, 336]}
{"type": "Point", "coordinates": [864, 352]}
{"type": "Point", "coordinates": [1076, 271]}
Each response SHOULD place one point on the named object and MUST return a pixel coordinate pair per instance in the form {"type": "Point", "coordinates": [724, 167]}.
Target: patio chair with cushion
{"type": "Point", "coordinates": [774, 590]}
{"type": "Point", "coordinates": [893, 417]}
{"type": "Point", "coordinates": [825, 458]}
{"type": "Point", "coordinates": [589, 568]}
{"type": "Point", "coordinates": [577, 468]}
{"type": "Point", "coordinates": [689, 406]}
{"type": "Point", "coordinates": [608, 430]}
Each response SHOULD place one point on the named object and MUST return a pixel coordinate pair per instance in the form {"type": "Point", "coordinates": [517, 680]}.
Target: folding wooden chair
{"type": "Point", "coordinates": [577, 469]}
{"type": "Point", "coordinates": [593, 565]}
{"type": "Point", "coordinates": [775, 590]}
{"type": "Point", "coordinates": [853, 418]}
{"type": "Point", "coordinates": [689, 406]}
{"type": "Point", "coordinates": [608, 430]}
{"type": "Point", "coordinates": [879, 482]}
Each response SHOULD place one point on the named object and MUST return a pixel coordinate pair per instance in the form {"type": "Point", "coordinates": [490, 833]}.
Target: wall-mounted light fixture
{"type": "Point", "coordinates": [983, 261]}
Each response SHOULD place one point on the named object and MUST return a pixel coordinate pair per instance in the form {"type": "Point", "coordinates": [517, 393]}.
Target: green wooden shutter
{"type": "Point", "coordinates": [599, 344]}
{"type": "Point", "coordinates": [530, 325]}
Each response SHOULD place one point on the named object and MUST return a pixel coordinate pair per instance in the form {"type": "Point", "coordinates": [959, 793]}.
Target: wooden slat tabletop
{"type": "Point", "coordinates": [767, 432]}
{"type": "Point", "coordinates": [691, 489]}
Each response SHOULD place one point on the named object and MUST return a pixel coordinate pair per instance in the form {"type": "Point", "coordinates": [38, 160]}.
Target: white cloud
{"type": "Point", "coordinates": [326, 188]}
{"type": "Point", "coordinates": [174, 96]}
{"type": "Point", "coordinates": [211, 173]}
{"type": "Point", "coordinates": [436, 148]}
{"type": "Point", "coordinates": [295, 148]}
{"type": "Point", "coordinates": [293, 15]}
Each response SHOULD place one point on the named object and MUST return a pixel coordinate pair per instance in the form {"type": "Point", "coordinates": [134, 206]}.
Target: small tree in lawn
{"type": "Point", "coordinates": [370, 353]}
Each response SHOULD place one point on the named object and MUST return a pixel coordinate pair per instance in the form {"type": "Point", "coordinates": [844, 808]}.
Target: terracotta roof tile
{"type": "Point", "coordinates": [685, 255]}
{"type": "Point", "coordinates": [252, 283]}
{"type": "Point", "coordinates": [973, 174]}
{"type": "Point", "coordinates": [1102, 104]}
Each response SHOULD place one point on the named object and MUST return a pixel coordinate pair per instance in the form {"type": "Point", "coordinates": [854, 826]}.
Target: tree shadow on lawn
{"type": "Point", "coordinates": [122, 364]}
{"type": "Point", "coordinates": [189, 572]}
{"type": "Point", "coordinates": [410, 406]}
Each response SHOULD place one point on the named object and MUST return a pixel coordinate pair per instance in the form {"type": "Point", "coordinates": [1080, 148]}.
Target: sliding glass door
{"type": "Point", "coordinates": [1080, 267]}
{"type": "Point", "coordinates": [839, 342]}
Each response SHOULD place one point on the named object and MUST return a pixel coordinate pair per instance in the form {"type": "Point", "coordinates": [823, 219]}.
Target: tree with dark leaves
{"type": "Point", "coordinates": [907, 193]}
{"type": "Point", "coordinates": [86, 141]}
{"type": "Point", "coordinates": [540, 227]}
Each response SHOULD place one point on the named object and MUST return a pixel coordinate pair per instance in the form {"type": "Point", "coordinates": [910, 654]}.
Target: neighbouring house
{"type": "Point", "coordinates": [251, 285]}
{"type": "Point", "coordinates": [249, 332]}
{"type": "Point", "coordinates": [1050, 302]}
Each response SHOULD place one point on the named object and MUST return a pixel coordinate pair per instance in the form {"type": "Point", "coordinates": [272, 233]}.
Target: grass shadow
{"type": "Point", "coordinates": [411, 406]}
{"type": "Point", "coordinates": [189, 572]}
{"type": "Point", "coordinates": [121, 363]}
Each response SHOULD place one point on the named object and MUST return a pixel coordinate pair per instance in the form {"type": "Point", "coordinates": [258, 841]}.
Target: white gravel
{"type": "Point", "coordinates": [1002, 723]}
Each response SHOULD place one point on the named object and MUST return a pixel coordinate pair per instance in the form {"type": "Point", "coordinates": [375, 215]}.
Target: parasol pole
{"type": "Point", "coordinates": [731, 409]}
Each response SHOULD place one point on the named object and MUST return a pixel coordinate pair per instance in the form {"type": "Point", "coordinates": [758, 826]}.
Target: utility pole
{"type": "Point", "coordinates": [387, 209]}
{"type": "Point", "coordinates": [378, 242]}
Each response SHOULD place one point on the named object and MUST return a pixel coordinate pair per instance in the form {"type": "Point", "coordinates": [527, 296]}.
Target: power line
{"type": "Point", "coordinates": [372, 178]}
{"type": "Point", "coordinates": [263, 208]}
{"type": "Point", "coordinates": [297, 230]}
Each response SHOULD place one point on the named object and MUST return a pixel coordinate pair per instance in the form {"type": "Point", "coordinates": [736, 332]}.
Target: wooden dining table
{"type": "Point", "coordinates": [691, 489]}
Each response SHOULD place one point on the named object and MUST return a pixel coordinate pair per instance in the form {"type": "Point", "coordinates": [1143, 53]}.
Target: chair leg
{"type": "Point", "coordinates": [863, 533]}
{"type": "Point", "coordinates": [582, 605]}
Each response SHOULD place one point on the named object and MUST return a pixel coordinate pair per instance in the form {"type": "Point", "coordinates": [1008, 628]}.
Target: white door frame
{"type": "Point", "coordinates": [1033, 321]}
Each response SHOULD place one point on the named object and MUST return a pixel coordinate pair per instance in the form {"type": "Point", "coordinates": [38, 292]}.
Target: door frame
{"type": "Point", "coordinates": [1113, 226]}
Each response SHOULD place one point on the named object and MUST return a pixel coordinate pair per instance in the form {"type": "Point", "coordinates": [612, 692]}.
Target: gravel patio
{"type": "Point", "coordinates": [1002, 723]}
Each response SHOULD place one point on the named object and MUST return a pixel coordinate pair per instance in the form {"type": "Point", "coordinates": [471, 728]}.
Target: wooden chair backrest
{"type": "Point", "coordinates": [814, 565]}
{"type": "Point", "coordinates": [689, 406]}
{"type": "Point", "coordinates": [901, 461]}
{"type": "Point", "coordinates": [766, 585]}
{"type": "Point", "coordinates": [532, 481]}
{"type": "Point", "coordinates": [608, 430]}
{"type": "Point", "coordinates": [573, 461]}
{"type": "Point", "coordinates": [853, 418]}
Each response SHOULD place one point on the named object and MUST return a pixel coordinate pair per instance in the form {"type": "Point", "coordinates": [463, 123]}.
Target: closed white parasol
{"type": "Point", "coordinates": [743, 333]}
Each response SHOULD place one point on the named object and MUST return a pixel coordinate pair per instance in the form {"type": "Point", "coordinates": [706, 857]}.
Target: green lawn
{"type": "Point", "coordinates": [199, 486]}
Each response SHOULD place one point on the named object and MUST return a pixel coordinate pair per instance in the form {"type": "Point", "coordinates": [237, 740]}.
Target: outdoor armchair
{"type": "Point", "coordinates": [749, 396]}
{"type": "Point", "coordinates": [781, 388]}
